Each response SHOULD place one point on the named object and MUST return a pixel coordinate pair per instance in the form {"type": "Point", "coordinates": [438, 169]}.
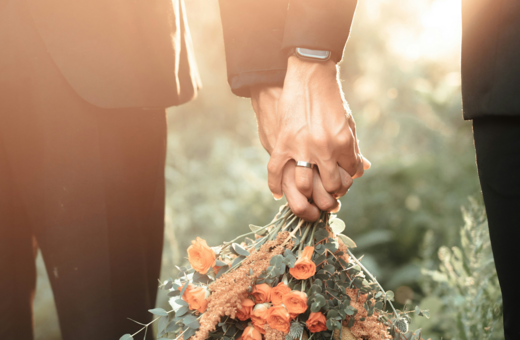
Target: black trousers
{"type": "Point", "coordinates": [497, 142]}
{"type": "Point", "coordinates": [83, 184]}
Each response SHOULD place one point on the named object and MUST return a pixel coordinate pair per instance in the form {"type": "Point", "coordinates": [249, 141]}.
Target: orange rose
{"type": "Point", "coordinates": [196, 298]}
{"type": "Point", "coordinates": [201, 257]}
{"type": "Point", "coordinates": [304, 267]}
{"type": "Point", "coordinates": [250, 333]}
{"type": "Point", "coordinates": [278, 292]}
{"type": "Point", "coordinates": [244, 313]}
{"type": "Point", "coordinates": [293, 316]}
{"type": "Point", "coordinates": [317, 322]}
{"type": "Point", "coordinates": [262, 293]}
{"type": "Point", "coordinates": [259, 316]}
{"type": "Point", "coordinates": [278, 318]}
{"type": "Point", "coordinates": [295, 302]}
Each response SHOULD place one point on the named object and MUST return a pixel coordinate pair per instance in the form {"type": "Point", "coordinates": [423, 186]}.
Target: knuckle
{"type": "Point", "coordinates": [326, 204]}
{"type": "Point", "coordinates": [272, 167]}
{"type": "Point", "coordinates": [322, 141]}
{"type": "Point", "coordinates": [344, 139]}
{"type": "Point", "coordinates": [348, 182]}
{"type": "Point", "coordinates": [298, 209]}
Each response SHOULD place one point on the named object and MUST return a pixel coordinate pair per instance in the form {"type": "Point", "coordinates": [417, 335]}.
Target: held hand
{"type": "Point", "coordinates": [321, 199]}
{"type": "Point", "coordinates": [308, 120]}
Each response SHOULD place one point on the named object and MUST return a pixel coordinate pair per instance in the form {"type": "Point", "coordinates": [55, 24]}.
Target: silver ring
{"type": "Point", "coordinates": [304, 164]}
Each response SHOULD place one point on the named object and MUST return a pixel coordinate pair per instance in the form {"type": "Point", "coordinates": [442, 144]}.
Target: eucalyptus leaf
{"type": "Point", "coordinates": [237, 261]}
{"type": "Point", "coordinates": [172, 327]}
{"type": "Point", "coordinates": [191, 321]}
{"type": "Point", "coordinates": [321, 235]}
{"type": "Point", "coordinates": [390, 296]}
{"type": "Point", "coordinates": [200, 278]}
{"type": "Point", "coordinates": [220, 263]}
{"type": "Point", "coordinates": [222, 271]}
{"type": "Point", "coordinates": [161, 325]}
{"type": "Point", "coordinates": [347, 241]}
{"type": "Point", "coordinates": [183, 310]}
{"type": "Point", "coordinates": [126, 337]}
{"type": "Point", "coordinates": [168, 284]}
{"type": "Point", "coordinates": [158, 312]}
{"type": "Point", "coordinates": [337, 226]}
{"type": "Point", "coordinates": [239, 250]}
{"type": "Point", "coordinates": [189, 333]}
{"type": "Point", "coordinates": [175, 292]}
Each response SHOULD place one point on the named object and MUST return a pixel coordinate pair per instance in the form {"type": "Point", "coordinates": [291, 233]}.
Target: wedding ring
{"type": "Point", "coordinates": [304, 164]}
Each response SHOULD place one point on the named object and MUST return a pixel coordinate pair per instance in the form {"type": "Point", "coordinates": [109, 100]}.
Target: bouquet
{"type": "Point", "coordinates": [288, 280]}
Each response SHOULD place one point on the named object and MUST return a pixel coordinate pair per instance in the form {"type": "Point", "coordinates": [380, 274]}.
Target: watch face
{"type": "Point", "coordinates": [312, 54]}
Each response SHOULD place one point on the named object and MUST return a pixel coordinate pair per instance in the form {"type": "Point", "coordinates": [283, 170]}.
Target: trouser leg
{"type": "Point", "coordinates": [92, 183]}
{"type": "Point", "coordinates": [497, 143]}
{"type": "Point", "coordinates": [17, 256]}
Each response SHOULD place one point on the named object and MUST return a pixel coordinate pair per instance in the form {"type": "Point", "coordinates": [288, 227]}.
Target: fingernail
{"type": "Point", "coordinates": [277, 198]}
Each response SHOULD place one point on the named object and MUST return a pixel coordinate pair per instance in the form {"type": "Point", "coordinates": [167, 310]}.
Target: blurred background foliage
{"type": "Point", "coordinates": [401, 77]}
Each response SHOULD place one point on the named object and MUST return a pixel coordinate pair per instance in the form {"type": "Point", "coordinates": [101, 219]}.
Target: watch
{"type": "Point", "coordinates": [314, 55]}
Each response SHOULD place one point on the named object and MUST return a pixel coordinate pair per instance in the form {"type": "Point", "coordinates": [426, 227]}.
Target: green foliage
{"type": "Point", "coordinates": [466, 283]}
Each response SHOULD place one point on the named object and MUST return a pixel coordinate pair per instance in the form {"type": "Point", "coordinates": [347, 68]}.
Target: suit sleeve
{"type": "Point", "coordinates": [258, 35]}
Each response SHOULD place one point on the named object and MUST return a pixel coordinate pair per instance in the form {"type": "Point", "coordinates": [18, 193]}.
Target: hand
{"type": "Point", "coordinates": [308, 120]}
{"type": "Point", "coordinates": [321, 199]}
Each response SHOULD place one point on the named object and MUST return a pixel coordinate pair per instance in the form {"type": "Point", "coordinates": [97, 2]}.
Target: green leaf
{"type": "Point", "coordinates": [158, 312]}
{"type": "Point", "coordinates": [189, 333]}
{"type": "Point", "coordinates": [184, 288]}
{"type": "Point", "coordinates": [332, 246]}
{"type": "Point", "coordinates": [347, 241]}
{"type": "Point", "coordinates": [168, 284]}
{"type": "Point", "coordinates": [337, 226]}
{"type": "Point", "coordinates": [219, 263]}
{"type": "Point", "coordinates": [239, 250]}
{"type": "Point", "coordinates": [172, 327]}
{"type": "Point", "coordinates": [350, 310]}
{"type": "Point", "coordinates": [161, 325]}
{"type": "Point", "coordinates": [389, 295]}
{"type": "Point", "coordinates": [191, 321]}
{"type": "Point", "coordinates": [332, 314]}
{"type": "Point", "coordinates": [183, 310]}
{"type": "Point", "coordinates": [329, 268]}
{"type": "Point", "coordinates": [175, 292]}
{"type": "Point", "coordinates": [222, 271]}
{"type": "Point", "coordinates": [237, 261]}
{"type": "Point", "coordinates": [181, 302]}
{"type": "Point", "coordinates": [276, 261]}
{"type": "Point", "coordinates": [321, 235]}
{"type": "Point", "coordinates": [126, 337]}
{"type": "Point", "coordinates": [315, 307]}
{"type": "Point", "coordinates": [200, 278]}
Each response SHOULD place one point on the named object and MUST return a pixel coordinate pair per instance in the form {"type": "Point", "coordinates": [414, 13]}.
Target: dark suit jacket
{"type": "Point", "coordinates": [120, 53]}
{"type": "Point", "coordinates": [258, 34]}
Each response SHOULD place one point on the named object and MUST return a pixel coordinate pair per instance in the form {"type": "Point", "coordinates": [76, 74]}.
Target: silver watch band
{"type": "Point", "coordinates": [315, 55]}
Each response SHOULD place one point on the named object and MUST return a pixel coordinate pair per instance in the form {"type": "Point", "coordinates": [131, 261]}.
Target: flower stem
{"type": "Point", "coordinates": [373, 278]}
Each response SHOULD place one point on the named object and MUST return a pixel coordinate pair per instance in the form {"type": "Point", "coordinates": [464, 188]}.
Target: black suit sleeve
{"type": "Point", "coordinates": [258, 35]}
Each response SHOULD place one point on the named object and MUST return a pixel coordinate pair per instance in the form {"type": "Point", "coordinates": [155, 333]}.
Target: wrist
{"type": "Point", "coordinates": [304, 69]}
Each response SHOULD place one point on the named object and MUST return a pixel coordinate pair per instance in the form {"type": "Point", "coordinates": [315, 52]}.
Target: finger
{"type": "Point", "coordinates": [360, 168]}
{"type": "Point", "coordinates": [330, 177]}
{"type": "Point", "coordinates": [346, 183]}
{"type": "Point", "coordinates": [323, 200]}
{"type": "Point", "coordinates": [303, 179]}
{"type": "Point", "coordinates": [274, 174]}
{"type": "Point", "coordinates": [366, 163]}
{"type": "Point", "coordinates": [298, 203]}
